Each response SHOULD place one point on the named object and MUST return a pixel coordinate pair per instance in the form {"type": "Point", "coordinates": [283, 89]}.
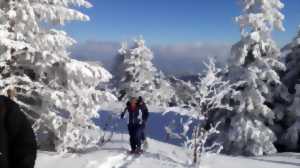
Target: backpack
{"type": "Point", "coordinates": [3, 141]}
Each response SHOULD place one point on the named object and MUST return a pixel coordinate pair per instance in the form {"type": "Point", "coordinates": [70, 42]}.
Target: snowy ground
{"type": "Point", "coordinates": [162, 153]}
{"type": "Point", "coordinates": [159, 155]}
{"type": "Point", "coordinates": [283, 160]}
{"type": "Point", "coordinates": [114, 155]}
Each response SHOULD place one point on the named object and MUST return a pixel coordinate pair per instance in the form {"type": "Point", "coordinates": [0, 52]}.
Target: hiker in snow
{"type": "Point", "coordinates": [17, 141]}
{"type": "Point", "coordinates": [134, 124]}
{"type": "Point", "coordinates": [145, 115]}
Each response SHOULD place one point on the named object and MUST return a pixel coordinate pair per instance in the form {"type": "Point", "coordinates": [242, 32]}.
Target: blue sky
{"type": "Point", "coordinates": [181, 33]}
{"type": "Point", "coordinates": [171, 21]}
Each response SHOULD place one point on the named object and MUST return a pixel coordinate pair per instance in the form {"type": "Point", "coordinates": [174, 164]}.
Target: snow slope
{"type": "Point", "coordinates": [114, 155]}
{"type": "Point", "coordinates": [159, 155]}
{"type": "Point", "coordinates": [284, 160]}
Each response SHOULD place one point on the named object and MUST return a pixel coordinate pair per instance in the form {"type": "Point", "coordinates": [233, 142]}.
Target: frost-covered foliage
{"type": "Point", "coordinates": [199, 144]}
{"type": "Point", "coordinates": [184, 93]}
{"type": "Point", "coordinates": [209, 95]}
{"type": "Point", "coordinates": [204, 98]}
{"type": "Point", "coordinates": [56, 92]}
{"type": "Point", "coordinates": [210, 91]}
{"type": "Point", "coordinates": [291, 137]}
{"type": "Point", "coordinates": [254, 71]}
{"type": "Point", "coordinates": [203, 92]}
{"type": "Point", "coordinates": [292, 75]}
{"type": "Point", "coordinates": [137, 76]}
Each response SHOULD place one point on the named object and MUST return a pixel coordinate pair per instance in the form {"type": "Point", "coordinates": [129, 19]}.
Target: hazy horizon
{"type": "Point", "coordinates": [181, 34]}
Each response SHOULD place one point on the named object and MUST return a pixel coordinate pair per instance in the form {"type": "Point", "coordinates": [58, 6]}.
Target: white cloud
{"type": "Point", "coordinates": [96, 51]}
{"type": "Point", "coordinates": [189, 58]}
{"type": "Point", "coordinates": [172, 59]}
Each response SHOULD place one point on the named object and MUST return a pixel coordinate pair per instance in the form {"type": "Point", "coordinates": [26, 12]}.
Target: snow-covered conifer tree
{"type": "Point", "coordinates": [291, 136]}
{"type": "Point", "coordinates": [137, 76]}
{"type": "Point", "coordinates": [56, 92]}
{"type": "Point", "coordinates": [254, 70]}
{"type": "Point", "coordinates": [291, 76]}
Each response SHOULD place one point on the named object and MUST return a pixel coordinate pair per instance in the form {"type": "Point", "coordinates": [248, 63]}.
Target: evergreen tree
{"type": "Point", "coordinates": [254, 71]}
{"type": "Point", "coordinates": [137, 76]}
{"type": "Point", "coordinates": [292, 74]}
{"type": "Point", "coordinates": [291, 136]}
{"type": "Point", "coordinates": [56, 92]}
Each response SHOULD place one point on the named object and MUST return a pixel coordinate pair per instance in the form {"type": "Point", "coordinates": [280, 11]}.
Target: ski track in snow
{"type": "Point", "coordinates": [118, 161]}
{"type": "Point", "coordinates": [159, 155]}
{"type": "Point", "coordinates": [125, 160]}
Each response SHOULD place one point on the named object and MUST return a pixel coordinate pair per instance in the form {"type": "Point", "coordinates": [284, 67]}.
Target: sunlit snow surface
{"type": "Point", "coordinates": [114, 155]}
{"type": "Point", "coordinates": [159, 155]}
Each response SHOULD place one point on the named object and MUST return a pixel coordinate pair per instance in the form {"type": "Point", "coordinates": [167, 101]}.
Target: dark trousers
{"type": "Point", "coordinates": [142, 132]}
{"type": "Point", "coordinates": [135, 136]}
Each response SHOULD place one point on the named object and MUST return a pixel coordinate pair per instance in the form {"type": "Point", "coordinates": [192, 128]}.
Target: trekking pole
{"type": "Point", "coordinates": [122, 137]}
{"type": "Point", "coordinates": [122, 140]}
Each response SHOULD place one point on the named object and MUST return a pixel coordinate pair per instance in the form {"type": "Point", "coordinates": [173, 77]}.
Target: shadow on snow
{"type": "Point", "coordinates": [156, 124]}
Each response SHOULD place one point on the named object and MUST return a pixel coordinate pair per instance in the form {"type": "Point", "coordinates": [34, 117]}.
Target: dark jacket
{"type": "Point", "coordinates": [134, 114]}
{"type": "Point", "coordinates": [144, 109]}
{"type": "Point", "coordinates": [17, 141]}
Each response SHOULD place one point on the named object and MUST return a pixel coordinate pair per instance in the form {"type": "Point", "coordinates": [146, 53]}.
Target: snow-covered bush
{"type": "Point", "coordinates": [210, 91]}
{"type": "Point", "coordinates": [254, 71]}
{"type": "Point", "coordinates": [208, 98]}
{"type": "Point", "coordinates": [56, 92]}
{"type": "Point", "coordinates": [199, 144]}
{"type": "Point", "coordinates": [137, 76]}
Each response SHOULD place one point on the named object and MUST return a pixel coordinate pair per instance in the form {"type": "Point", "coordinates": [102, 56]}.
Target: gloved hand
{"type": "Point", "coordinates": [122, 116]}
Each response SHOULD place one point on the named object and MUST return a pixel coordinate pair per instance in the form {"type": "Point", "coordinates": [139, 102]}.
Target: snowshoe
{"type": "Point", "coordinates": [131, 152]}
{"type": "Point", "coordinates": [139, 151]}
{"type": "Point", "coordinates": [145, 145]}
